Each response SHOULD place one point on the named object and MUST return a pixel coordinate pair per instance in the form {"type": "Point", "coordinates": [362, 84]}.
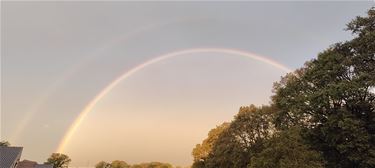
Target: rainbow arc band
{"type": "Point", "coordinates": [82, 115]}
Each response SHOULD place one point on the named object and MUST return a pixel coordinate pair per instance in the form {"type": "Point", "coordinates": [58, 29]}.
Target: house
{"type": "Point", "coordinates": [26, 164]}
{"type": "Point", "coordinates": [44, 166]}
{"type": "Point", "coordinates": [10, 156]}
{"type": "Point", "coordinates": [32, 164]}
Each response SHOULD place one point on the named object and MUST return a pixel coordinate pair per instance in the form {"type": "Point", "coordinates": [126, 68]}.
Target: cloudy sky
{"type": "Point", "coordinates": [56, 57]}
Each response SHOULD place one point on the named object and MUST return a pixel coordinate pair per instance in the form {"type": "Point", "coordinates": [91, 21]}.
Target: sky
{"type": "Point", "coordinates": [56, 57]}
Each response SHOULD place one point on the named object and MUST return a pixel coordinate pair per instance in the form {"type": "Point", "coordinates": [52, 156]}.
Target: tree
{"type": "Point", "coordinates": [123, 164]}
{"type": "Point", "coordinates": [287, 149]}
{"type": "Point", "coordinates": [201, 151]}
{"type": "Point", "coordinates": [59, 160]}
{"type": "Point", "coordinates": [103, 164]}
{"type": "Point", "coordinates": [153, 165]}
{"type": "Point", "coordinates": [119, 164]}
{"type": "Point", "coordinates": [4, 143]}
{"type": "Point", "coordinates": [331, 99]}
{"type": "Point", "coordinates": [244, 138]}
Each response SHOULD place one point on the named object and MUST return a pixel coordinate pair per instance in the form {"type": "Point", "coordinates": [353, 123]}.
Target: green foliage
{"type": "Point", "coordinates": [331, 99]}
{"type": "Point", "coordinates": [153, 165]}
{"type": "Point", "coordinates": [103, 164]}
{"type": "Point", "coordinates": [4, 143]}
{"type": "Point", "coordinates": [244, 137]}
{"type": "Point", "coordinates": [123, 164]}
{"type": "Point", "coordinates": [323, 114]}
{"type": "Point", "coordinates": [201, 151]}
{"type": "Point", "coordinates": [119, 164]}
{"type": "Point", "coordinates": [59, 160]}
{"type": "Point", "coordinates": [287, 149]}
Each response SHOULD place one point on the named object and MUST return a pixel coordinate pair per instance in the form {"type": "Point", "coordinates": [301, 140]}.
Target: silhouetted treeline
{"type": "Point", "coordinates": [321, 115]}
{"type": "Point", "coordinates": [123, 164]}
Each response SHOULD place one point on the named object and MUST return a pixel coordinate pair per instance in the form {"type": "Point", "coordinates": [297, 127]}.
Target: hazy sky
{"type": "Point", "coordinates": [56, 56]}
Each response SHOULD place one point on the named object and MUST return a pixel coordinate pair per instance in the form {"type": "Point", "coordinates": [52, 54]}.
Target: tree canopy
{"type": "Point", "coordinates": [287, 149]}
{"type": "Point", "coordinates": [235, 144]}
{"type": "Point", "coordinates": [103, 164]}
{"type": "Point", "coordinates": [331, 98]}
{"type": "Point", "coordinates": [59, 160]}
{"type": "Point", "coordinates": [123, 164]}
{"type": "Point", "coordinates": [201, 151]}
{"type": "Point", "coordinates": [321, 115]}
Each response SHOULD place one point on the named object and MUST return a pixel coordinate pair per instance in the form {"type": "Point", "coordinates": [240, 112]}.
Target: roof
{"type": "Point", "coordinates": [32, 164]}
{"type": "Point", "coordinates": [9, 156]}
{"type": "Point", "coordinates": [26, 164]}
{"type": "Point", "coordinates": [44, 166]}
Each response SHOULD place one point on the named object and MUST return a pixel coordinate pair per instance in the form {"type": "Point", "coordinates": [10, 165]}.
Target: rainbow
{"type": "Point", "coordinates": [82, 115]}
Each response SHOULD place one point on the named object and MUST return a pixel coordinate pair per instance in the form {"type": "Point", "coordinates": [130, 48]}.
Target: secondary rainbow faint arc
{"type": "Point", "coordinates": [68, 135]}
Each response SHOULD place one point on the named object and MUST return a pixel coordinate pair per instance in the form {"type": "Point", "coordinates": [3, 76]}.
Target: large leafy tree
{"type": "Point", "coordinates": [244, 137]}
{"type": "Point", "coordinates": [59, 160]}
{"type": "Point", "coordinates": [119, 164]}
{"type": "Point", "coordinates": [287, 149]}
{"type": "Point", "coordinates": [201, 151]}
{"type": "Point", "coordinates": [152, 165]}
{"type": "Point", "coordinates": [103, 164]}
{"type": "Point", "coordinates": [332, 99]}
